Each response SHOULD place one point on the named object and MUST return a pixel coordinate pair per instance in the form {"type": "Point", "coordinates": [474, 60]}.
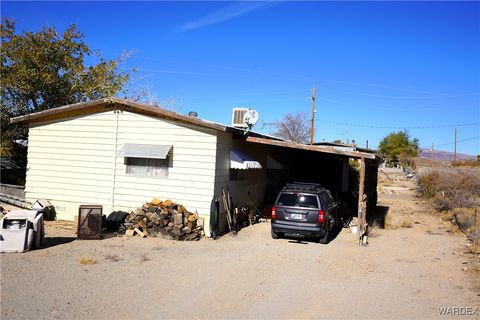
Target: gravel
{"type": "Point", "coordinates": [403, 273]}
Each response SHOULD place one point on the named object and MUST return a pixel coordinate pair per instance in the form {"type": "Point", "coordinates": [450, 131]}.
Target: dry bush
{"type": "Point", "coordinates": [87, 261]}
{"type": "Point", "coordinates": [406, 223]}
{"type": "Point", "coordinates": [423, 162]}
{"type": "Point", "coordinates": [450, 189]}
{"type": "Point", "coordinates": [455, 194]}
{"type": "Point", "coordinates": [448, 215]}
{"type": "Point", "coordinates": [374, 229]}
{"type": "Point", "coordinates": [390, 222]}
{"type": "Point", "coordinates": [468, 220]}
{"type": "Point", "coordinates": [475, 248]}
{"type": "Point", "coordinates": [472, 163]}
{"type": "Point", "coordinates": [385, 182]}
{"type": "Point", "coordinates": [428, 184]}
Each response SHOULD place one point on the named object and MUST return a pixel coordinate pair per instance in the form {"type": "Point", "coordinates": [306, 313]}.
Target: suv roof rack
{"type": "Point", "coordinates": [305, 186]}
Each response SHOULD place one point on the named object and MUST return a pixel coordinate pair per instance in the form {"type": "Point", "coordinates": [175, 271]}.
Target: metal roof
{"type": "Point", "coordinates": [323, 149]}
{"type": "Point", "coordinates": [111, 103]}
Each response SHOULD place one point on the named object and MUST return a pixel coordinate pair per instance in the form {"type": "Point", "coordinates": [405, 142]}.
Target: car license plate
{"type": "Point", "coordinates": [297, 216]}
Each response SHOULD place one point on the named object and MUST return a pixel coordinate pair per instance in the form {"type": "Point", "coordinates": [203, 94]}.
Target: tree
{"type": "Point", "coordinates": [294, 127]}
{"type": "Point", "coordinates": [43, 70]}
{"type": "Point", "coordinates": [399, 146]}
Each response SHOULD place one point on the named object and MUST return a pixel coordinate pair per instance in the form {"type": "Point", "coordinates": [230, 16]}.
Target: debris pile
{"type": "Point", "coordinates": [165, 219]}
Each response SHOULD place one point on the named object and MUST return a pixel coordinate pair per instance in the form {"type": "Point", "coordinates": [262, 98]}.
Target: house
{"type": "Point", "coordinates": [120, 154]}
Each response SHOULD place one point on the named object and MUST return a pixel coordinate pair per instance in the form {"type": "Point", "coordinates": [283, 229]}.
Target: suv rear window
{"type": "Point", "coordinates": [297, 200]}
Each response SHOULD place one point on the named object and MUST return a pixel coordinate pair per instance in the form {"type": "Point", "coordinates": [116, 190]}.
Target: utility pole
{"type": "Point", "coordinates": [455, 148]}
{"type": "Point", "coordinates": [312, 128]}
{"type": "Point", "coordinates": [366, 145]}
{"type": "Point", "coordinates": [431, 156]}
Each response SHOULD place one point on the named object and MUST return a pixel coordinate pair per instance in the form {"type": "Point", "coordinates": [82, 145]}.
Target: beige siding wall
{"type": "Point", "coordinates": [191, 177]}
{"type": "Point", "coordinates": [249, 190]}
{"type": "Point", "coordinates": [72, 162]}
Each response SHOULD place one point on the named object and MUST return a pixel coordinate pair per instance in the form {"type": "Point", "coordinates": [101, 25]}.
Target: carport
{"type": "Point", "coordinates": [346, 171]}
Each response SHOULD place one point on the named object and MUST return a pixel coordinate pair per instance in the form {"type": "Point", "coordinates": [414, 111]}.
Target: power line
{"type": "Point", "coordinates": [400, 109]}
{"type": "Point", "coordinates": [256, 74]}
{"type": "Point", "coordinates": [271, 124]}
{"type": "Point", "coordinates": [246, 94]}
{"type": "Point", "coordinates": [252, 71]}
{"type": "Point", "coordinates": [236, 103]}
{"type": "Point", "coordinates": [401, 97]}
{"type": "Point", "coordinates": [453, 142]}
{"type": "Point", "coordinates": [399, 127]}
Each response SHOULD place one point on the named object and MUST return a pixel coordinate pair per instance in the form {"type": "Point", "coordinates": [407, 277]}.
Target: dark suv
{"type": "Point", "coordinates": [305, 209]}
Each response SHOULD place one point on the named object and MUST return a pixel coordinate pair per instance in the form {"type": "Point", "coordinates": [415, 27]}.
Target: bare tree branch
{"type": "Point", "coordinates": [294, 127]}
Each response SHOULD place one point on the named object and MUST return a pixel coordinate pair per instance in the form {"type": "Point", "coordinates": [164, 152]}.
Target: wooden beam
{"type": "Point", "coordinates": [361, 203]}
{"type": "Point", "coordinates": [323, 149]}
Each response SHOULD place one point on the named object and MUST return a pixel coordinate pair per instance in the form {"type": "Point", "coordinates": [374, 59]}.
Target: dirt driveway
{"type": "Point", "coordinates": [404, 273]}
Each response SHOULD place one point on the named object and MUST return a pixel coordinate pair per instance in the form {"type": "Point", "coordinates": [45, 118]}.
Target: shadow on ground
{"type": "Point", "coordinates": [377, 216]}
{"type": "Point", "coordinates": [306, 240]}
{"type": "Point", "coordinates": [56, 241]}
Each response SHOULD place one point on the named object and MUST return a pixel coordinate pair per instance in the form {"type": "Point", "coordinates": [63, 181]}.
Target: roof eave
{"type": "Point", "coordinates": [115, 103]}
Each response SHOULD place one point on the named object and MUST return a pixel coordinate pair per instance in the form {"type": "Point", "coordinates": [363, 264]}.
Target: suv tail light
{"type": "Point", "coordinates": [321, 216]}
{"type": "Point", "coordinates": [274, 213]}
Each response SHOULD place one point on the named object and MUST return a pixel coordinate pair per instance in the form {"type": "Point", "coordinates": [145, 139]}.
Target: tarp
{"type": "Point", "coordinates": [240, 160]}
{"type": "Point", "coordinates": [150, 151]}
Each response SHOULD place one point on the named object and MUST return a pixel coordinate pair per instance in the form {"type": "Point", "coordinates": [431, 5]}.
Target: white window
{"type": "Point", "coordinates": [146, 159]}
{"type": "Point", "coordinates": [147, 167]}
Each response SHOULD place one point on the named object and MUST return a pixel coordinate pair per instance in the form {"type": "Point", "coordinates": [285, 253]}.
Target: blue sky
{"type": "Point", "coordinates": [378, 67]}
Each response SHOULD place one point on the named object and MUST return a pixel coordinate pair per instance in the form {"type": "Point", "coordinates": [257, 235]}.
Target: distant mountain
{"type": "Point", "coordinates": [444, 155]}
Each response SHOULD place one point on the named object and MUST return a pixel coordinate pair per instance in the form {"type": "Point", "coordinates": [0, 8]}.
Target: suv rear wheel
{"type": "Point", "coordinates": [276, 235]}
{"type": "Point", "coordinates": [325, 238]}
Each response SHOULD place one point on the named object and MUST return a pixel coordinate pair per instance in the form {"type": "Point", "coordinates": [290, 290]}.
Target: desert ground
{"type": "Point", "coordinates": [411, 269]}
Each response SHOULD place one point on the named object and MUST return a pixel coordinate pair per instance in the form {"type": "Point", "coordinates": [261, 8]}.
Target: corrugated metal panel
{"type": "Point", "coordinates": [150, 151]}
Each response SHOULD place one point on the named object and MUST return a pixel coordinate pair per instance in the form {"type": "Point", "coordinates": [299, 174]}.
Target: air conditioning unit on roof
{"type": "Point", "coordinates": [238, 116]}
{"type": "Point", "coordinates": [244, 118]}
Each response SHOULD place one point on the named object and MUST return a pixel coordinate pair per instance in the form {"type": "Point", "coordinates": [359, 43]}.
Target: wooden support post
{"type": "Point", "coordinates": [361, 203]}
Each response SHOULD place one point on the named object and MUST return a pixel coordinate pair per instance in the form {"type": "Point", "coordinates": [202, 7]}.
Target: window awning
{"type": "Point", "coordinates": [151, 151]}
{"type": "Point", "coordinates": [240, 160]}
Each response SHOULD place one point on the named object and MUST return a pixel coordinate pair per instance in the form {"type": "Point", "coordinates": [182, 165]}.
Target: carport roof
{"type": "Point", "coordinates": [316, 148]}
